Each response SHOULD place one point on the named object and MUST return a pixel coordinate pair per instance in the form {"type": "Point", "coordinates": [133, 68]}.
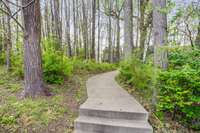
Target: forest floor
{"type": "Point", "coordinates": [166, 125]}
{"type": "Point", "coordinates": [53, 114]}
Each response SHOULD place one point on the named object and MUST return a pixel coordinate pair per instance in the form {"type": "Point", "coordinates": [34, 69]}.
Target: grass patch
{"type": "Point", "coordinates": [45, 114]}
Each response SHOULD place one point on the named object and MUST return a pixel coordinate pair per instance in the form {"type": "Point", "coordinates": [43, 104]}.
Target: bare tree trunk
{"type": "Point", "coordinates": [197, 41]}
{"type": "Point", "coordinates": [144, 24]}
{"type": "Point", "coordinates": [99, 32]}
{"type": "Point", "coordinates": [1, 35]}
{"type": "Point", "coordinates": [77, 26]}
{"type": "Point", "coordinates": [142, 19]}
{"type": "Point", "coordinates": [109, 34]}
{"type": "Point", "coordinates": [160, 39]}
{"type": "Point", "coordinates": [138, 24]}
{"type": "Point", "coordinates": [93, 28]}
{"type": "Point", "coordinates": [52, 19]}
{"type": "Point", "coordinates": [74, 24]}
{"type": "Point", "coordinates": [17, 27]}
{"type": "Point", "coordinates": [34, 85]}
{"type": "Point", "coordinates": [8, 40]}
{"type": "Point", "coordinates": [85, 30]}
{"type": "Point", "coordinates": [146, 46]}
{"type": "Point", "coordinates": [118, 40]}
{"type": "Point", "coordinates": [160, 34]}
{"type": "Point", "coordinates": [58, 24]}
{"type": "Point", "coordinates": [46, 21]}
{"type": "Point", "coordinates": [67, 17]}
{"type": "Point", "coordinates": [128, 28]}
{"type": "Point", "coordinates": [118, 33]}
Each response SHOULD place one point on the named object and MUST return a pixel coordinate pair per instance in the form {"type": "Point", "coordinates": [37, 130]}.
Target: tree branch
{"type": "Point", "coordinates": [12, 18]}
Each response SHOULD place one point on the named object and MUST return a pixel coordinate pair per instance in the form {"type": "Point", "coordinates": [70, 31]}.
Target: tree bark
{"type": "Point", "coordinates": [34, 85]}
{"type": "Point", "coordinates": [74, 24]}
{"type": "Point", "coordinates": [160, 39]}
{"type": "Point", "coordinates": [8, 40]}
{"type": "Point", "coordinates": [99, 32]}
{"type": "Point", "coordinates": [57, 24]}
{"type": "Point", "coordinates": [118, 32]}
{"type": "Point", "coordinates": [85, 30]}
{"type": "Point", "coordinates": [109, 34]}
{"type": "Point", "coordinates": [93, 28]}
{"type": "Point", "coordinates": [197, 41]}
{"type": "Point", "coordinates": [160, 34]}
{"type": "Point", "coordinates": [128, 28]}
{"type": "Point", "coordinates": [67, 17]}
{"type": "Point", "coordinates": [144, 26]}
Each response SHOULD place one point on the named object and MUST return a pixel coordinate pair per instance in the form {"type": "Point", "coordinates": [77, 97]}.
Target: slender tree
{"type": "Point", "coordinates": [109, 32]}
{"type": "Point", "coordinates": [67, 19]}
{"type": "Point", "coordinates": [160, 38]}
{"type": "Point", "coordinates": [93, 28]}
{"type": "Point", "coordinates": [160, 33]}
{"type": "Point", "coordinates": [85, 29]}
{"type": "Point", "coordinates": [128, 28]}
{"type": "Point", "coordinates": [8, 39]}
{"type": "Point", "coordinates": [57, 23]}
{"type": "Point", "coordinates": [197, 41]}
{"type": "Point", "coordinates": [74, 26]}
{"type": "Point", "coordinates": [99, 32]}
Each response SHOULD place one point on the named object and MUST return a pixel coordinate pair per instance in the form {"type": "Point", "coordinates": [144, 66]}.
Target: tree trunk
{"type": "Point", "coordinates": [57, 24]}
{"type": "Point", "coordinates": [17, 27]}
{"type": "Point", "coordinates": [128, 28]}
{"type": "Point", "coordinates": [67, 17]}
{"type": "Point", "coordinates": [8, 40]}
{"type": "Point", "coordinates": [85, 30]}
{"type": "Point", "coordinates": [118, 41]}
{"type": "Point", "coordinates": [160, 39]}
{"type": "Point", "coordinates": [74, 24]}
{"type": "Point", "coordinates": [34, 85]}
{"type": "Point", "coordinates": [77, 28]}
{"type": "Point", "coordinates": [109, 34]}
{"type": "Point", "coordinates": [118, 33]}
{"type": "Point", "coordinates": [46, 21]}
{"type": "Point", "coordinates": [99, 32]}
{"type": "Point", "coordinates": [142, 19]}
{"type": "Point", "coordinates": [160, 34]}
{"type": "Point", "coordinates": [93, 28]}
{"type": "Point", "coordinates": [197, 41]}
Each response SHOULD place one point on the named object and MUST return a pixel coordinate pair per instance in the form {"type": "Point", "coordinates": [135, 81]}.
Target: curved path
{"type": "Point", "coordinates": [110, 109]}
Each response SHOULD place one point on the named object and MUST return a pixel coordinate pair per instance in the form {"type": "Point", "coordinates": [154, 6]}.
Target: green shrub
{"type": "Point", "coordinates": [135, 73]}
{"type": "Point", "coordinates": [2, 58]}
{"type": "Point", "coordinates": [180, 86]}
{"type": "Point", "coordinates": [56, 67]}
{"type": "Point", "coordinates": [17, 65]}
{"type": "Point", "coordinates": [91, 66]}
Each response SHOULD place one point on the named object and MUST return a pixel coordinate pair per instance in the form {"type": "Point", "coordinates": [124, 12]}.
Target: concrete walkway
{"type": "Point", "coordinates": [110, 109]}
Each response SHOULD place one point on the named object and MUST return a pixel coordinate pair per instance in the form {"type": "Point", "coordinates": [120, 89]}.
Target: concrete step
{"type": "Point", "coordinates": [103, 125]}
{"type": "Point", "coordinates": [113, 114]}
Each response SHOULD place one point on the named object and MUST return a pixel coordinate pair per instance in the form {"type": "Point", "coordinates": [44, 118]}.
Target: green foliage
{"type": "Point", "coordinates": [17, 65]}
{"type": "Point", "coordinates": [135, 73]}
{"type": "Point", "coordinates": [2, 58]}
{"type": "Point", "coordinates": [56, 67]}
{"type": "Point", "coordinates": [180, 86]}
{"type": "Point", "coordinates": [90, 66]}
{"type": "Point", "coordinates": [29, 113]}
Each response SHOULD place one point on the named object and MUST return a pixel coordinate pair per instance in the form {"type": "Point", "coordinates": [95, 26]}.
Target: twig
{"type": "Point", "coordinates": [23, 6]}
{"type": "Point", "coordinates": [13, 18]}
